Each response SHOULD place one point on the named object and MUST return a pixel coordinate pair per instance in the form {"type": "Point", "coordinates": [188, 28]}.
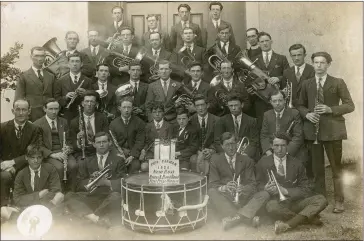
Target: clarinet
{"type": "Point", "coordinates": [81, 125]}
{"type": "Point", "coordinates": [118, 148]}
{"type": "Point", "coordinates": [65, 151]}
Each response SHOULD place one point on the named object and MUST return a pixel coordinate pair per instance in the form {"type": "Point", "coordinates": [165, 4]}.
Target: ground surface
{"type": "Point", "coordinates": [345, 226]}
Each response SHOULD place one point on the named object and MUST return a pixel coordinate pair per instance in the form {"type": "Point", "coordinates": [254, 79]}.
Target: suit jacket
{"type": "Point", "coordinates": [176, 39]}
{"type": "Point", "coordinates": [221, 172]}
{"type": "Point", "coordinates": [278, 63]}
{"type": "Point", "coordinates": [295, 181]}
{"type": "Point", "coordinates": [24, 194]}
{"type": "Point", "coordinates": [269, 128]}
{"type": "Point", "coordinates": [203, 88]}
{"type": "Point", "coordinates": [149, 61]}
{"type": "Point", "coordinates": [12, 148]}
{"type": "Point", "coordinates": [187, 142]}
{"type": "Point", "coordinates": [151, 133]}
{"type": "Point", "coordinates": [332, 126]}
{"type": "Point", "coordinates": [108, 103]}
{"type": "Point", "coordinates": [110, 29]}
{"type": "Point", "coordinates": [211, 33]}
{"type": "Point", "coordinates": [101, 54]}
{"type": "Point", "coordinates": [165, 40]}
{"type": "Point", "coordinates": [248, 128]}
{"type": "Point", "coordinates": [208, 142]}
{"type": "Point", "coordinates": [90, 165]}
{"type": "Point", "coordinates": [253, 53]}
{"type": "Point", "coordinates": [290, 76]}
{"type": "Point", "coordinates": [141, 95]}
{"type": "Point", "coordinates": [197, 52]}
{"type": "Point", "coordinates": [132, 135]}
{"type": "Point", "coordinates": [62, 126]}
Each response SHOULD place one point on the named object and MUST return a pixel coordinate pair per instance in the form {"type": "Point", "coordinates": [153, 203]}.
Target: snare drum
{"type": "Point", "coordinates": [164, 209]}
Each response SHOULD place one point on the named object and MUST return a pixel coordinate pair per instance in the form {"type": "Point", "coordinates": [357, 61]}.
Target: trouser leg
{"type": "Point", "coordinates": [78, 203]}
{"type": "Point", "coordinates": [72, 169]}
{"type": "Point", "coordinates": [222, 203]}
{"type": "Point", "coordinates": [317, 159]}
{"type": "Point", "coordinates": [311, 206]}
{"type": "Point", "coordinates": [257, 201]}
{"type": "Point", "coordinates": [279, 211]}
{"type": "Point", "coordinates": [110, 206]}
{"type": "Point", "coordinates": [6, 183]}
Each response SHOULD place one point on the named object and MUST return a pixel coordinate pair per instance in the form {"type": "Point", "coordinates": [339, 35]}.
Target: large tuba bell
{"type": "Point", "coordinates": [124, 90]}
{"type": "Point", "coordinates": [56, 61]}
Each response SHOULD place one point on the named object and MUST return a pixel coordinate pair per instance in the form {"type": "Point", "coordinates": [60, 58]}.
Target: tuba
{"type": "Point", "coordinates": [56, 61]}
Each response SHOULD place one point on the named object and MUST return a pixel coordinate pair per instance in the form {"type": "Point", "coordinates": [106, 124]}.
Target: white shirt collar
{"type": "Point", "coordinates": [154, 30]}
{"type": "Point", "coordinates": [134, 82]}
{"type": "Point", "coordinates": [124, 119]}
{"type": "Point", "coordinates": [228, 81]}
{"type": "Point", "coordinates": [36, 71]}
{"type": "Point", "coordinates": [70, 51]}
{"type": "Point", "coordinates": [160, 123]}
{"type": "Point", "coordinates": [127, 46]}
{"type": "Point", "coordinates": [216, 21]}
{"type": "Point", "coordinates": [181, 130]}
{"type": "Point", "coordinates": [270, 52]}
{"type": "Point", "coordinates": [187, 23]}
{"type": "Point", "coordinates": [323, 79]}
{"type": "Point", "coordinates": [104, 157]}
{"type": "Point", "coordinates": [89, 116]}
{"type": "Point", "coordinates": [237, 117]}
{"type": "Point", "coordinates": [198, 83]}
{"type": "Point", "coordinates": [280, 113]}
{"type": "Point", "coordinates": [118, 23]}
{"type": "Point", "coordinates": [50, 121]}
{"type": "Point", "coordinates": [301, 68]}
{"type": "Point", "coordinates": [73, 76]}
{"type": "Point", "coordinates": [17, 126]}
{"type": "Point", "coordinates": [191, 46]}
{"type": "Point", "coordinates": [222, 44]}
{"type": "Point", "coordinates": [156, 50]}
{"type": "Point", "coordinates": [33, 171]}
{"type": "Point", "coordinates": [96, 48]}
{"type": "Point", "coordinates": [284, 162]}
{"type": "Point", "coordinates": [168, 81]}
{"type": "Point", "coordinates": [200, 118]}
{"type": "Point", "coordinates": [233, 159]}
{"type": "Point", "coordinates": [102, 83]}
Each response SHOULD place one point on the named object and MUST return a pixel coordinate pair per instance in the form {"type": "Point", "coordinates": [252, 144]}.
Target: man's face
{"type": "Point", "coordinates": [126, 37]}
{"type": "Point", "coordinates": [157, 115]}
{"type": "Point", "coordinates": [21, 111]}
{"type": "Point", "coordinates": [278, 102]}
{"type": "Point", "coordinates": [265, 43]}
{"type": "Point", "coordinates": [215, 12]}
{"type": "Point", "coordinates": [188, 36]}
{"type": "Point", "coordinates": [117, 14]}
{"type": "Point", "coordinates": [279, 147]}
{"type": "Point", "coordinates": [35, 161]}
{"type": "Point", "coordinates": [103, 73]}
{"type": "Point", "coordinates": [155, 41]}
{"type": "Point", "coordinates": [224, 35]}
{"type": "Point", "coordinates": [135, 72]}
{"type": "Point", "coordinates": [38, 58]}
{"type": "Point", "coordinates": [235, 107]}
{"type": "Point", "coordinates": [182, 120]}
{"type": "Point", "coordinates": [89, 104]}
{"type": "Point", "coordinates": [52, 110]}
{"type": "Point", "coordinates": [201, 107]}
{"type": "Point", "coordinates": [152, 22]}
{"type": "Point", "coordinates": [164, 71]}
{"type": "Point", "coordinates": [125, 109]}
{"type": "Point", "coordinates": [226, 70]}
{"type": "Point", "coordinates": [230, 146]}
{"type": "Point", "coordinates": [75, 64]}
{"type": "Point", "coordinates": [93, 38]}
{"type": "Point", "coordinates": [102, 144]}
{"type": "Point", "coordinates": [252, 37]}
{"type": "Point", "coordinates": [72, 41]}
{"type": "Point", "coordinates": [320, 65]}
{"type": "Point", "coordinates": [184, 14]}
{"type": "Point", "coordinates": [298, 56]}
{"type": "Point", "coordinates": [196, 73]}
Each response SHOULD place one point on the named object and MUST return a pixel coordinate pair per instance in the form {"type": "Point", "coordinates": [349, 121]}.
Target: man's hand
{"type": "Point", "coordinates": [273, 80]}
{"type": "Point", "coordinates": [271, 188]}
{"type": "Point", "coordinates": [268, 153]}
{"type": "Point", "coordinates": [142, 155]}
{"type": "Point", "coordinates": [58, 198]}
{"type": "Point", "coordinates": [313, 117]}
{"type": "Point", "coordinates": [250, 90]}
{"type": "Point", "coordinates": [104, 182]}
{"type": "Point", "coordinates": [59, 156]}
{"type": "Point", "coordinates": [124, 69]}
{"type": "Point", "coordinates": [80, 91]}
{"type": "Point", "coordinates": [12, 170]}
{"type": "Point", "coordinates": [7, 164]}
{"type": "Point", "coordinates": [129, 160]}
{"type": "Point", "coordinates": [231, 186]}
{"type": "Point", "coordinates": [177, 153]}
{"type": "Point", "coordinates": [43, 193]}
{"type": "Point", "coordinates": [137, 110]}
{"type": "Point", "coordinates": [80, 135]}
{"type": "Point", "coordinates": [70, 95]}
{"type": "Point", "coordinates": [322, 109]}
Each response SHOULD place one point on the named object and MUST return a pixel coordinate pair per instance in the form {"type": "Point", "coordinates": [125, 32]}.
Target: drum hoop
{"type": "Point", "coordinates": [161, 192]}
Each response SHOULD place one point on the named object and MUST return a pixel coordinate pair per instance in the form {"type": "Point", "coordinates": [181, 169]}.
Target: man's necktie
{"type": "Point", "coordinates": [230, 159]}
{"type": "Point", "coordinates": [223, 49]}
{"type": "Point", "coordinates": [203, 130]}
{"type": "Point", "coordinates": [125, 51]}
{"type": "Point", "coordinates": [183, 25]}
{"type": "Point", "coordinates": [180, 130]}
{"type": "Point", "coordinates": [229, 86]}
{"type": "Point", "coordinates": [157, 126]}
{"type": "Point", "coordinates": [75, 80]}
{"type": "Point", "coordinates": [236, 126]}
{"type": "Point", "coordinates": [136, 88]}
{"type": "Point", "coordinates": [189, 49]}
{"type": "Point", "coordinates": [216, 24]}
{"type": "Point", "coordinates": [155, 53]}
{"type": "Point", "coordinates": [165, 89]}
{"type": "Point", "coordinates": [103, 86]}
{"type": "Point", "coordinates": [54, 129]}
{"type": "Point", "coordinates": [40, 76]}
{"type": "Point", "coordinates": [101, 166]}
{"type": "Point", "coordinates": [298, 75]}
{"type": "Point", "coordinates": [320, 92]}
{"type": "Point", "coordinates": [278, 124]}
{"type": "Point", "coordinates": [89, 131]}
{"type": "Point", "coordinates": [36, 181]}
{"type": "Point", "coordinates": [266, 60]}
{"type": "Point", "coordinates": [18, 132]}
{"type": "Point", "coordinates": [93, 52]}
{"type": "Point", "coordinates": [280, 170]}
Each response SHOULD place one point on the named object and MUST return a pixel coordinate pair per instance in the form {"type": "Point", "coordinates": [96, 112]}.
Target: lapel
{"type": "Point", "coordinates": [312, 88]}
{"type": "Point", "coordinates": [160, 89]}
{"type": "Point", "coordinates": [45, 125]}
{"type": "Point", "coordinates": [260, 61]}
{"type": "Point", "coordinates": [46, 80]}
{"type": "Point", "coordinates": [273, 61]}
{"type": "Point", "coordinates": [32, 76]}
{"type": "Point", "coordinates": [27, 180]}
{"type": "Point", "coordinates": [26, 134]}
{"type": "Point", "coordinates": [60, 129]}
{"type": "Point", "coordinates": [43, 177]}
{"type": "Point", "coordinates": [328, 83]}
{"type": "Point", "coordinates": [210, 125]}
{"type": "Point", "coordinates": [108, 160]}
{"type": "Point", "coordinates": [238, 165]}
{"type": "Point", "coordinates": [227, 165]}
{"type": "Point", "coordinates": [97, 122]}
{"type": "Point", "coordinates": [93, 164]}
{"type": "Point", "coordinates": [171, 90]}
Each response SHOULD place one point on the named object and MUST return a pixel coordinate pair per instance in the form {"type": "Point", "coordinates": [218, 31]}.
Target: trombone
{"type": "Point", "coordinates": [272, 179]}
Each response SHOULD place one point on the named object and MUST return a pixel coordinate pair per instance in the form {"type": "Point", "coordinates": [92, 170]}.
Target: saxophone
{"type": "Point", "coordinates": [80, 126]}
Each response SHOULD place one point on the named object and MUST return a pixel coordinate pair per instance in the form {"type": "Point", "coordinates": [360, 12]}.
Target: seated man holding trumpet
{"type": "Point", "coordinates": [232, 185]}
{"type": "Point", "coordinates": [98, 184]}
{"type": "Point", "coordinates": [291, 200]}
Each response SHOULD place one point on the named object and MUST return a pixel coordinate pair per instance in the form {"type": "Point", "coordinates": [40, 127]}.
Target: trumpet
{"type": "Point", "coordinates": [272, 178]}
{"type": "Point", "coordinates": [242, 145]}
{"type": "Point", "coordinates": [96, 176]}
{"type": "Point", "coordinates": [118, 148]}
{"type": "Point", "coordinates": [75, 96]}
{"type": "Point", "coordinates": [80, 126]}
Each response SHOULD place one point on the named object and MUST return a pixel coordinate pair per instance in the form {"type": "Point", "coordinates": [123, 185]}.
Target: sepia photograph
{"type": "Point", "coordinates": [181, 120]}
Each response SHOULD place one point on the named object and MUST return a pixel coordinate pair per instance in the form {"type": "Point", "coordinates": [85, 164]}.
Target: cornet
{"type": "Point", "coordinates": [91, 186]}
{"type": "Point", "coordinates": [236, 197]}
{"type": "Point", "coordinates": [272, 178]}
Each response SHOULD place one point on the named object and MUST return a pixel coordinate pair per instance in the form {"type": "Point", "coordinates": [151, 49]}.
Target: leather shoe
{"type": "Point", "coordinates": [230, 222]}
{"type": "Point", "coordinates": [256, 222]}
{"type": "Point", "coordinates": [104, 222]}
{"type": "Point", "coordinates": [338, 208]}
{"type": "Point", "coordinates": [280, 227]}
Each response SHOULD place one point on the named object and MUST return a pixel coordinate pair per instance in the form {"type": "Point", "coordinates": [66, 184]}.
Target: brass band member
{"type": "Point", "coordinates": [254, 49]}
{"type": "Point", "coordinates": [320, 107]}
{"type": "Point", "coordinates": [117, 13]}
{"type": "Point", "coordinates": [154, 27]}
{"type": "Point", "coordinates": [283, 119]}
{"type": "Point", "coordinates": [16, 135]}
{"type": "Point", "coordinates": [101, 205]}
{"type": "Point", "coordinates": [70, 87]}
{"type": "Point", "coordinates": [292, 202]}
{"type": "Point", "coordinates": [197, 85]}
{"type": "Point", "coordinates": [54, 129]}
{"type": "Point", "coordinates": [39, 183]}
{"type": "Point", "coordinates": [232, 186]}
{"type": "Point", "coordinates": [35, 84]}
{"type": "Point", "coordinates": [95, 51]}
{"type": "Point", "coordinates": [129, 133]}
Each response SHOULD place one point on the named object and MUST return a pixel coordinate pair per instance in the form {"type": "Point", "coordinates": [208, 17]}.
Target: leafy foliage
{"type": "Point", "coordinates": [8, 72]}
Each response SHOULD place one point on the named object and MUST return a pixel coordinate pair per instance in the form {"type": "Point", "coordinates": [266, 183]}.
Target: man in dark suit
{"type": "Point", "coordinates": [103, 204]}
{"type": "Point", "coordinates": [93, 122]}
{"type": "Point", "coordinates": [284, 119]}
{"type": "Point", "coordinates": [320, 107]}
{"type": "Point", "coordinates": [129, 133]}
{"type": "Point", "coordinates": [239, 123]}
{"type": "Point", "coordinates": [95, 51]}
{"type": "Point", "coordinates": [157, 129]}
{"type": "Point", "coordinates": [301, 205]}
{"type": "Point", "coordinates": [106, 91]}
{"type": "Point", "coordinates": [154, 27]}
{"type": "Point", "coordinates": [163, 89]}
{"type": "Point", "coordinates": [298, 73]}
{"type": "Point", "coordinates": [15, 136]}
{"type": "Point", "coordinates": [213, 24]}
{"type": "Point", "coordinates": [204, 123]}
{"type": "Point", "coordinates": [187, 139]}
{"type": "Point", "coordinates": [37, 184]}
{"type": "Point", "coordinates": [254, 49]}
{"type": "Point", "coordinates": [232, 185]}
{"type": "Point", "coordinates": [184, 11]}
{"type": "Point", "coordinates": [35, 84]}
{"type": "Point", "coordinates": [57, 151]}
{"type": "Point", "coordinates": [117, 14]}
{"type": "Point", "coordinates": [196, 85]}
{"type": "Point", "coordinates": [226, 84]}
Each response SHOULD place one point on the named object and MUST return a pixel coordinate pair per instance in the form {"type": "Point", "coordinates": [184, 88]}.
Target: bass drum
{"type": "Point", "coordinates": [164, 209]}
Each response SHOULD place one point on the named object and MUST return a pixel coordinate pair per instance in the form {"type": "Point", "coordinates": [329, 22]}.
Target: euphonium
{"type": "Point", "coordinates": [121, 60]}
{"type": "Point", "coordinates": [242, 145]}
{"type": "Point", "coordinates": [187, 59]}
{"type": "Point", "coordinates": [222, 97]}
{"type": "Point", "coordinates": [272, 178]}
{"type": "Point", "coordinates": [81, 127]}
{"type": "Point", "coordinates": [91, 186]}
